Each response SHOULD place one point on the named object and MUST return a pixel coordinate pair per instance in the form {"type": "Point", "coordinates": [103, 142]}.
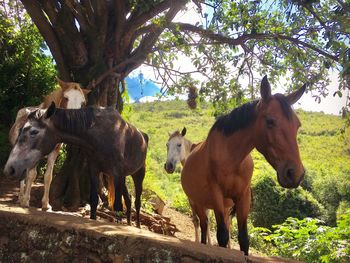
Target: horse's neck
{"type": "Point", "coordinates": [234, 147]}
{"type": "Point", "coordinates": [65, 136]}
{"type": "Point", "coordinates": [188, 147]}
{"type": "Point", "coordinates": [55, 96]}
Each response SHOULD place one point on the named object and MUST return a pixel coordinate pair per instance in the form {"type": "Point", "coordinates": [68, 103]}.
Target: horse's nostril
{"type": "Point", "coordinates": [290, 173]}
{"type": "Point", "coordinates": [10, 171]}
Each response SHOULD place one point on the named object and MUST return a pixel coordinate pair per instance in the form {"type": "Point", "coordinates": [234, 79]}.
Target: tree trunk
{"type": "Point", "coordinates": [71, 187]}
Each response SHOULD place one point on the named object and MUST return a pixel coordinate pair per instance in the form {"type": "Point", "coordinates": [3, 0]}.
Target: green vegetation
{"type": "Point", "coordinates": [26, 72]}
{"type": "Point", "coordinates": [324, 195]}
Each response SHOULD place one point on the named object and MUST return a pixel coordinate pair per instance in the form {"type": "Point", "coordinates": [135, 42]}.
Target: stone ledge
{"type": "Point", "coordinates": [30, 235]}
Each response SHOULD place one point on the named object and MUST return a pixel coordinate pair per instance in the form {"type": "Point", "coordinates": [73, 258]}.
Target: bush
{"type": "Point", "coordinates": [309, 240]}
{"type": "Point", "coordinates": [273, 204]}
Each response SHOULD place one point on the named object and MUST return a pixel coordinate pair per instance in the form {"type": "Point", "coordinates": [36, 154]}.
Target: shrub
{"type": "Point", "coordinates": [273, 204]}
{"type": "Point", "coordinates": [310, 240]}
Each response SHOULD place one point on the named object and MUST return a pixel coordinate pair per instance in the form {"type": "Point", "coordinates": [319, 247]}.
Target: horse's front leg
{"type": "Point", "coordinates": [228, 219]}
{"type": "Point", "coordinates": [30, 177]}
{"type": "Point", "coordinates": [242, 210]}
{"type": "Point", "coordinates": [22, 186]}
{"type": "Point", "coordinates": [222, 233]}
{"type": "Point", "coordinates": [51, 159]}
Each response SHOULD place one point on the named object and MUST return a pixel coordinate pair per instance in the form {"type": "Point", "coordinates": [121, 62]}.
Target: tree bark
{"type": "Point", "coordinates": [71, 187]}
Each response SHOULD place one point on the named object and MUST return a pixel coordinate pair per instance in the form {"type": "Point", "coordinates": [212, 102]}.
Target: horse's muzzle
{"type": "Point", "coordinates": [290, 178]}
{"type": "Point", "coordinates": [169, 167]}
{"type": "Point", "coordinates": [10, 171]}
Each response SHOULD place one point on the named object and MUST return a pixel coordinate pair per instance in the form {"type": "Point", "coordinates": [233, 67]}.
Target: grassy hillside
{"type": "Point", "coordinates": [324, 147]}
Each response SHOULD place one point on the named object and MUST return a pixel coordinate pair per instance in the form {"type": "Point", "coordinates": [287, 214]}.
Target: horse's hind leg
{"type": "Point", "coordinates": [242, 210]}
{"type": "Point", "coordinates": [138, 180]}
{"type": "Point", "coordinates": [127, 200]}
{"type": "Point", "coordinates": [30, 177]}
{"type": "Point", "coordinates": [195, 221]}
{"type": "Point", "coordinates": [51, 159]}
{"type": "Point", "coordinates": [203, 221]}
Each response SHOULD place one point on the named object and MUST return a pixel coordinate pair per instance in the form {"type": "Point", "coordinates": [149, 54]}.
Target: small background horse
{"type": "Point", "coordinates": [113, 146]}
{"type": "Point", "coordinates": [220, 169]}
{"type": "Point", "coordinates": [70, 96]}
{"type": "Point", "coordinates": [178, 149]}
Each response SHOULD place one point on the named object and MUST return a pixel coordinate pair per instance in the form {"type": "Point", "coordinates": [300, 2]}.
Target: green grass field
{"type": "Point", "coordinates": [324, 147]}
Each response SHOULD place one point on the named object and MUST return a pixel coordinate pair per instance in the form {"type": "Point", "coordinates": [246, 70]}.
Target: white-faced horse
{"type": "Point", "coordinates": [178, 149]}
{"type": "Point", "coordinates": [69, 96]}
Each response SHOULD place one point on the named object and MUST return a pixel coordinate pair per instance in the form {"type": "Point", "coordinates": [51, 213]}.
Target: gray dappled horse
{"type": "Point", "coordinates": [113, 147]}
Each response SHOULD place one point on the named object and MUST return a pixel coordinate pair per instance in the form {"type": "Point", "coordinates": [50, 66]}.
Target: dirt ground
{"type": "Point", "coordinates": [9, 190]}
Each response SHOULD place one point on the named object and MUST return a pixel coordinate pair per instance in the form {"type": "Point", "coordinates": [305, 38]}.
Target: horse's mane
{"type": "Point", "coordinates": [238, 118]}
{"type": "Point", "coordinates": [241, 117]}
{"type": "Point", "coordinates": [74, 120]}
{"type": "Point", "coordinates": [55, 96]}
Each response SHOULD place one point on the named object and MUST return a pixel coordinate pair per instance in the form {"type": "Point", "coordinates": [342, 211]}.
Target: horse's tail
{"type": "Point", "coordinates": [111, 192]}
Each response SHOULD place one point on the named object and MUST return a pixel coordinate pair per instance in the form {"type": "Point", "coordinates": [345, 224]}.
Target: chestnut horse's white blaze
{"type": "Point", "coordinates": [70, 95]}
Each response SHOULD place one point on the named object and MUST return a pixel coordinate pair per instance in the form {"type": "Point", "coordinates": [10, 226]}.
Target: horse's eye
{"type": "Point", "coordinates": [179, 145]}
{"type": "Point", "coordinates": [270, 123]}
{"type": "Point", "coordinates": [33, 133]}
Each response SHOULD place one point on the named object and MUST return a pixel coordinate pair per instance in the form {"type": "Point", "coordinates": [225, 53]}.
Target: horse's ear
{"type": "Point", "coordinates": [265, 89]}
{"type": "Point", "coordinates": [63, 84]}
{"type": "Point", "coordinates": [296, 95]}
{"type": "Point", "coordinates": [183, 132]}
{"type": "Point", "coordinates": [33, 114]}
{"type": "Point", "coordinates": [50, 111]}
{"type": "Point", "coordinates": [86, 91]}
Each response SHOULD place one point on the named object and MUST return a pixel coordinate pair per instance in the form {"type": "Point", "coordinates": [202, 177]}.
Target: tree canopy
{"type": "Point", "coordinates": [99, 42]}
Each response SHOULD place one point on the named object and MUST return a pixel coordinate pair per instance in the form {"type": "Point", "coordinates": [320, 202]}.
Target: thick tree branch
{"type": "Point", "coordinates": [48, 34]}
{"type": "Point", "coordinates": [221, 39]}
{"type": "Point", "coordinates": [136, 21]}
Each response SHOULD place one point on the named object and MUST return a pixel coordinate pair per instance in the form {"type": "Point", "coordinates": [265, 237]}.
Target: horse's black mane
{"type": "Point", "coordinates": [242, 116]}
{"type": "Point", "coordinates": [74, 120]}
{"type": "Point", "coordinates": [238, 118]}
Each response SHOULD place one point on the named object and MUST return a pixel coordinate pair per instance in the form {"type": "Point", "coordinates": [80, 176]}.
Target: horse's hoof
{"type": "Point", "coordinates": [119, 216]}
{"type": "Point", "coordinates": [46, 208]}
{"type": "Point", "coordinates": [24, 204]}
{"type": "Point", "coordinates": [93, 217]}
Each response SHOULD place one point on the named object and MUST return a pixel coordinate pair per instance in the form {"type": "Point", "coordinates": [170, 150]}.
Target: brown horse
{"type": "Point", "coordinates": [219, 170]}
{"type": "Point", "coordinates": [113, 146]}
{"type": "Point", "coordinates": [178, 149]}
{"type": "Point", "coordinates": [70, 96]}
